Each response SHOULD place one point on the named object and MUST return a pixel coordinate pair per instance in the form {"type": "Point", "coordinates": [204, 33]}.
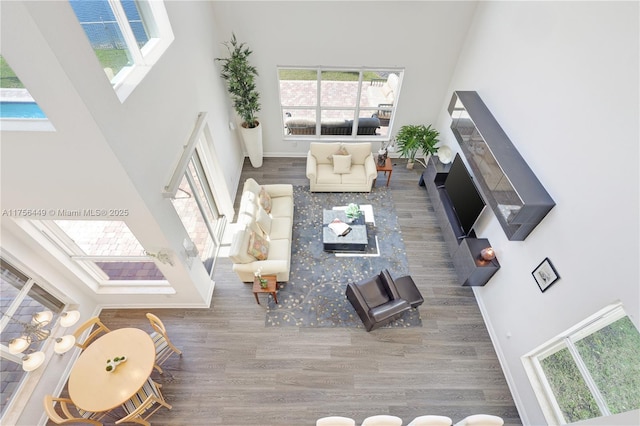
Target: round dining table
{"type": "Point", "coordinates": [93, 388]}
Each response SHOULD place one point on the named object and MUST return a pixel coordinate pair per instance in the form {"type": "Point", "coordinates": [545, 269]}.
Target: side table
{"type": "Point", "coordinates": [388, 167]}
{"type": "Point", "coordinates": [272, 287]}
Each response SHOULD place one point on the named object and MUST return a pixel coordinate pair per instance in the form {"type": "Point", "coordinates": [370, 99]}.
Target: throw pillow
{"type": "Point", "coordinates": [341, 151]}
{"type": "Point", "coordinates": [341, 164]}
{"type": "Point", "coordinates": [265, 200]}
{"type": "Point", "coordinates": [258, 246]}
{"type": "Point", "coordinates": [264, 221]}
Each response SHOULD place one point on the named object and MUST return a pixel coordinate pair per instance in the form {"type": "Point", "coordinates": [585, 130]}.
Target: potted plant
{"type": "Point", "coordinates": [239, 76]}
{"type": "Point", "coordinates": [414, 138]}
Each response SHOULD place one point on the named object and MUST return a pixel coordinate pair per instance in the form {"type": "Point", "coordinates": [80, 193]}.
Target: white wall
{"type": "Point", "coordinates": [107, 154]}
{"type": "Point", "coordinates": [423, 37]}
{"type": "Point", "coordinates": [562, 80]}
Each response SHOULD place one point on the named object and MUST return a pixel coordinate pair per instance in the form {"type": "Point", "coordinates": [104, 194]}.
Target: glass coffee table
{"type": "Point", "coordinates": [354, 241]}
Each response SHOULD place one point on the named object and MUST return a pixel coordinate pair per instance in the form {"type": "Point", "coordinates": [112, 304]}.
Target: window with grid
{"type": "Point", "coordinates": [590, 371]}
{"type": "Point", "coordinates": [338, 103]}
{"type": "Point", "coordinates": [127, 36]}
{"type": "Point", "coordinates": [21, 298]}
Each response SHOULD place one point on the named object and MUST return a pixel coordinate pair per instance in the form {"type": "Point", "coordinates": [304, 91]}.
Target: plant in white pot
{"type": "Point", "coordinates": [240, 77]}
{"type": "Point", "coordinates": [412, 139]}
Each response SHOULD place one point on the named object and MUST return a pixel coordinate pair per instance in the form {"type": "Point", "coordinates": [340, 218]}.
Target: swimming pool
{"type": "Point", "coordinates": [21, 110]}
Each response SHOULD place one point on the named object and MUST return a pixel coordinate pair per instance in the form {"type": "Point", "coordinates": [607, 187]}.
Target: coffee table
{"type": "Point", "coordinates": [354, 241]}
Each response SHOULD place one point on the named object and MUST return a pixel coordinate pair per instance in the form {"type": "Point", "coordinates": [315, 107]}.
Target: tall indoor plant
{"type": "Point", "coordinates": [240, 77]}
{"type": "Point", "coordinates": [412, 139]}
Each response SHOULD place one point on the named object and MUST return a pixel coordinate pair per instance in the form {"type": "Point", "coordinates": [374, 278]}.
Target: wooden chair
{"type": "Point", "coordinates": [164, 347]}
{"type": "Point", "coordinates": [84, 417]}
{"type": "Point", "coordinates": [141, 406]}
{"type": "Point", "coordinates": [100, 328]}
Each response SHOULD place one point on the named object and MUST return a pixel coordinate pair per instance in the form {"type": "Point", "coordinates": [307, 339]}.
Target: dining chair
{"type": "Point", "coordinates": [481, 420]}
{"type": "Point", "coordinates": [141, 406]}
{"type": "Point", "coordinates": [335, 421]}
{"type": "Point", "coordinates": [100, 328]}
{"type": "Point", "coordinates": [82, 416]}
{"type": "Point", "coordinates": [382, 420]}
{"type": "Point", "coordinates": [164, 347]}
{"type": "Point", "coordinates": [431, 421]}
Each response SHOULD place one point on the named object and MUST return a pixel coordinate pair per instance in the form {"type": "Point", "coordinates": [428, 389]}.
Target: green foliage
{"type": "Point", "coordinates": [571, 392]}
{"type": "Point", "coordinates": [240, 77]}
{"type": "Point", "coordinates": [612, 356]}
{"type": "Point", "coordinates": [304, 74]}
{"type": "Point", "coordinates": [414, 138]}
{"type": "Point", "coordinates": [116, 59]}
{"type": "Point", "coordinates": [8, 79]}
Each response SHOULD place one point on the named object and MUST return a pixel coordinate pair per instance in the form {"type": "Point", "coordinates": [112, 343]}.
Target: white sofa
{"type": "Point", "coordinates": [340, 167]}
{"type": "Point", "coordinates": [270, 231]}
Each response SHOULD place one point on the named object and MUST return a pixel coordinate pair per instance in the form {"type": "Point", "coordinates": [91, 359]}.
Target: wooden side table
{"type": "Point", "coordinates": [388, 167]}
{"type": "Point", "coordinates": [272, 287]}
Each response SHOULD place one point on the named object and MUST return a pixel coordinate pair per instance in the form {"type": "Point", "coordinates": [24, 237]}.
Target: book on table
{"type": "Point", "coordinates": [339, 227]}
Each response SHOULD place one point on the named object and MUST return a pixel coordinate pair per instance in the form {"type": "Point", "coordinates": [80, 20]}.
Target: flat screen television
{"type": "Point", "coordinates": [466, 200]}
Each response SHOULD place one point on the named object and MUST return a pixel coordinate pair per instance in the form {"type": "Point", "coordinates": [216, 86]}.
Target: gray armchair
{"type": "Point", "coordinates": [377, 301]}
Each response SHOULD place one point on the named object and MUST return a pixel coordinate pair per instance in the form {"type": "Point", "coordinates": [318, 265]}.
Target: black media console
{"type": "Point", "coordinates": [464, 250]}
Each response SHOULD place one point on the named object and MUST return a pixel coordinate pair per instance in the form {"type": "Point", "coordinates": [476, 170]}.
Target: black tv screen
{"type": "Point", "coordinates": [465, 197]}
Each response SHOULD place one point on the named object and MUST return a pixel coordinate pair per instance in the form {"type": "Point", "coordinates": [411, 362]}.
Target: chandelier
{"type": "Point", "coordinates": [35, 331]}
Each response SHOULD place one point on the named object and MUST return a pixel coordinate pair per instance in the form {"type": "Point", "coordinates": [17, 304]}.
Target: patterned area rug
{"type": "Point", "coordinates": [315, 293]}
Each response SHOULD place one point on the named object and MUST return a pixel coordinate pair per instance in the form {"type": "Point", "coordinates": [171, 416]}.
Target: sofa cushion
{"type": "Point", "coordinates": [280, 229]}
{"type": "Point", "coordinates": [281, 207]}
{"type": "Point", "coordinates": [250, 185]}
{"type": "Point", "coordinates": [248, 206]}
{"type": "Point", "coordinates": [258, 247]}
{"type": "Point", "coordinates": [323, 151]}
{"type": "Point", "coordinates": [373, 292]}
{"type": "Point", "coordinates": [341, 164]}
{"type": "Point", "coordinates": [341, 151]}
{"type": "Point", "coordinates": [357, 175]}
{"type": "Point", "coordinates": [326, 175]}
{"type": "Point", "coordinates": [264, 221]}
{"type": "Point", "coordinates": [265, 200]}
{"type": "Point", "coordinates": [280, 250]}
{"type": "Point", "coordinates": [238, 251]}
{"type": "Point", "coordinates": [359, 151]}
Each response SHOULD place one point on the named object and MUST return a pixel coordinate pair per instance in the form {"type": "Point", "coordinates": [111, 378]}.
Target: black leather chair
{"type": "Point", "coordinates": [377, 300]}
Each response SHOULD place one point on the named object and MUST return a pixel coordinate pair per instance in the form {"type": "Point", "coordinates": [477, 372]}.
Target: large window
{"type": "Point", "coordinates": [21, 298]}
{"type": "Point", "coordinates": [128, 37]}
{"type": "Point", "coordinates": [195, 204]}
{"type": "Point", "coordinates": [335, 103]}
{"type": "Point", "coordinates": [590, 371]}
{"type": "Point", "coordinates": [107, 250]}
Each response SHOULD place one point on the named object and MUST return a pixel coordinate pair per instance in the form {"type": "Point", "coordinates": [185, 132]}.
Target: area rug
{"type": "Point", "coordinates": [314, 296]}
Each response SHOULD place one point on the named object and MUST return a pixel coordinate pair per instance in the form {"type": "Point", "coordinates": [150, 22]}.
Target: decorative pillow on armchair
{"type": "Point", "coordinates": [341, 164]}
{"type": "Point", "coordinates": [258, 247]}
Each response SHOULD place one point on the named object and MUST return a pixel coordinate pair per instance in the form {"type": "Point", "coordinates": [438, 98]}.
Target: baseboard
{"type": "Point", "coordinates": [501, 358]}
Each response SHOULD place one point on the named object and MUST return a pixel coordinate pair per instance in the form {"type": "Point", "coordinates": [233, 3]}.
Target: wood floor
{"type": "Point", "coordinates": [234, 371]}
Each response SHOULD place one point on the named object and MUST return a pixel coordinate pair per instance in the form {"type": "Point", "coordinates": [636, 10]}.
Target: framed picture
{"type": "Point", "coordinates": [545, 275]}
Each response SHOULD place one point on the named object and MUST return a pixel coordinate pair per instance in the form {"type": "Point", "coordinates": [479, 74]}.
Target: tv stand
{"type": "Point", "coordinates": [464, 249]}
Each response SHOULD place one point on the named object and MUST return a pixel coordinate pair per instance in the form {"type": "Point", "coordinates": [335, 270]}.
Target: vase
{"type": "Point", "coordinates": [112, 365]}
{"type": "Point", "coordinates": [252, 138]}
{"type": "Point", "coordinates": [410, 164]}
